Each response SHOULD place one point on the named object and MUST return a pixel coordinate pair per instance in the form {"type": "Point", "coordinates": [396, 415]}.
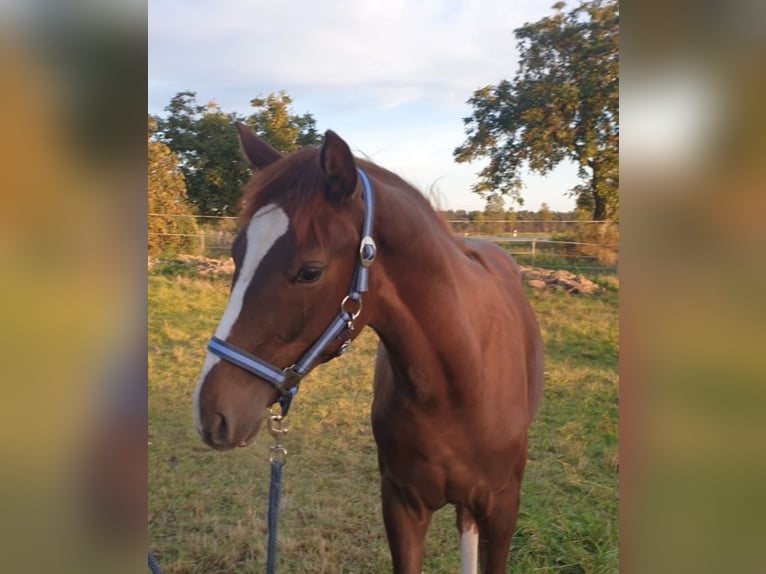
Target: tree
{"type": "Point", "coordinates": [206, 142]}
{"type": "Point", "coordinates": [285, 131]}
{"type": "Point", "coordinates": [546, 216]}
{"type": "Point", "coordinates": [495, 213]}
{"type": "Point", "coordinates": [562, 104]}
{"type": "Point", "coordinates": [171, 222]}
{"type": "Point", "coordinates": [477, 221]}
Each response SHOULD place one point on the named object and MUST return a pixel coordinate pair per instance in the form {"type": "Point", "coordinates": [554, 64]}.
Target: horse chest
{"type": "Point", "coordinates": [423, 454]}
{"type": "Point", "coordinates": [443, 445]}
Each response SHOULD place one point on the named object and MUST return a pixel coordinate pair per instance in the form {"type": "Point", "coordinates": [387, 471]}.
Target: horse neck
{"type": "Point", "coordinates": [418, 291]}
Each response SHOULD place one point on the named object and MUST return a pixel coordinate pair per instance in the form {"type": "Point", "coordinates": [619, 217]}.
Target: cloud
{"type": "Point", "coordinates": [391, 76]}
{"type": "Point", "coordinates": [426, 48]}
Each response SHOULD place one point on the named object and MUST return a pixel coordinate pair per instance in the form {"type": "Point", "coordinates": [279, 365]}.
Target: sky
{"type": "Point", "coordinates": [391, 77]}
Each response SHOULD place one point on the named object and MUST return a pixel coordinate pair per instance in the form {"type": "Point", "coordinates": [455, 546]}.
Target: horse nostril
{"type": "Point", "coordinates": [216, 433]}
{"type": "Point", "coordinates": [221, 434]}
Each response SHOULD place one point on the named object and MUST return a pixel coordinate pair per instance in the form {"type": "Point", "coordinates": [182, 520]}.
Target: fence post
{"type": "Point", "coordinates": [533, 252]}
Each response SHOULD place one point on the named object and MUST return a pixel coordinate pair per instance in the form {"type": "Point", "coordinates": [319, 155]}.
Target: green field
{"type": "Point", "coordinates": [207, 510]}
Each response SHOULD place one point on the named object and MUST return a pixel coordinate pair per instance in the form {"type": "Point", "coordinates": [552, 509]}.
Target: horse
{"type": "Point", "coordinates": [459, 368]}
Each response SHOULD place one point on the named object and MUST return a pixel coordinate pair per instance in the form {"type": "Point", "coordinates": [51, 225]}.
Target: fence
{"type": "Point", "coordinates": [563, 244]}
{"type": "Point", "coordinates": [521, 226]}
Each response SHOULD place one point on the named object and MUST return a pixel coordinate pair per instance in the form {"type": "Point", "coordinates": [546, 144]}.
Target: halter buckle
{"type": "Point", "coordinates": [367, 251]}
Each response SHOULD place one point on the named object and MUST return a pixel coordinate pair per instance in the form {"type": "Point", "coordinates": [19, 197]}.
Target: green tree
{"type": "Point", "coordinates": [494, 211]}
{"type": "Point", "coordinates": [546, 216]}
{"type": "Point", "coordinates": [171, 221]}
{"type": "Point", "coordinates": [561, 105]}
{"type": "Point", "coordinates": [478, 222]}
{"type": "Point", "coordinates": [284, 130]}
{"type": "Point", "coordinates": [206, 142]}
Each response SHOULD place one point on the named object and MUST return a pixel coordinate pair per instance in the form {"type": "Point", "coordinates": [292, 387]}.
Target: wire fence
{"type": "Point", "coordinates": [574, 245]}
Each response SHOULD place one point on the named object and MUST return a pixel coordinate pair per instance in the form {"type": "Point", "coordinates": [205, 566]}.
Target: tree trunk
{"type": "Point", "coordinates": [599, 207]}
{"type": "Point", "coordinates": [599, 202]}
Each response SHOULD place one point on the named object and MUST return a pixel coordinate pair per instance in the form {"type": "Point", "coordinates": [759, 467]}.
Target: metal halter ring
{"type": "Point", "coordinates": [278, 453]}
{"type": "Point", "coordinates": [277, 427]}
{"type": "Point", "coordinates": [354, 314]}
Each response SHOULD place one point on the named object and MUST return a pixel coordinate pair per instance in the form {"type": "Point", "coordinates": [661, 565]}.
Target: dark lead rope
{"type": "Point", "coordinates": [154, 566]}
{"type": "Point", "coordinates": [275, 489]}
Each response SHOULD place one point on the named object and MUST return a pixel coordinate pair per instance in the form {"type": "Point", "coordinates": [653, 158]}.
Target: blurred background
{"type": "Point", "coordinates": [693, 175]}
{"type": "Point", "coordinates": [72, 285]}
{"type": "Point", "coordinates": [73, 245]}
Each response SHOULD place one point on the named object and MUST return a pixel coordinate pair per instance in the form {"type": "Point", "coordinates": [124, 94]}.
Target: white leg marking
{"type": "Point", "coordinates": [267, 225]}
{"type": "Point", "coordinates": [469, 551]}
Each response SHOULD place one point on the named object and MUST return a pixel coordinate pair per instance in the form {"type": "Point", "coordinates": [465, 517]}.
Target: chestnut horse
{"type": "Point", "coordinates": [459, 371]}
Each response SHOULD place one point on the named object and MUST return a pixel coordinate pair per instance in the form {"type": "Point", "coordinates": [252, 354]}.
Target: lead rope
{"type": "Point", "coordinates": [154, 566]}
{"type": "Point", "coordinates": [277, 460]}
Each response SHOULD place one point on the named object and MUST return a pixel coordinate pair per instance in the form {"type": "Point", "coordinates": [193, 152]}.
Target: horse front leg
{"type": "Point", "coordinates": [496, 531]}
{"type": "Point", "coordinates": [406, 518]}
{"type": "Point", "coordinates": [469, 541]}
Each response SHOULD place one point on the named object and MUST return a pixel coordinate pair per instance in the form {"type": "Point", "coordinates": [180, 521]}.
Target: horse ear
{"type": "Point", "coordinates": [259, 153]}
{"type": "Point", "coordinates": [338, 166]}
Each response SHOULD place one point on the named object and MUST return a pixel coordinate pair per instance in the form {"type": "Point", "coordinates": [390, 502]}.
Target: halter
{"type": "Point", "coordinates": [287, 380]}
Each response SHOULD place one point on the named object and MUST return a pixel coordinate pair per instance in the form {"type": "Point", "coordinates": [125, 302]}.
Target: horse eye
{"type": "Point", "coordinates": [309, 274]}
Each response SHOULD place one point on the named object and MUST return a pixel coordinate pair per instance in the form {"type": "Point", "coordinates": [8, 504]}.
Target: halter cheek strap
{"type": "Point", "coordinates": [287, 380]}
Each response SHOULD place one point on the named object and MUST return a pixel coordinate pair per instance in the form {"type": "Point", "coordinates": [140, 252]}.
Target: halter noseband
{"type": "Point", "coordinates": [286, 380]}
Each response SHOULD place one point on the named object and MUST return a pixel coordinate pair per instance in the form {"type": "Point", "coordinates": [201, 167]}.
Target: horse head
{"type": "Point", "coordinates": [295, 257]}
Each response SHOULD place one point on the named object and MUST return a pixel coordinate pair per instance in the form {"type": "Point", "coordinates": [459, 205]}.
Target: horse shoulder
{"type": "Point", "coordinates": [498, 262]}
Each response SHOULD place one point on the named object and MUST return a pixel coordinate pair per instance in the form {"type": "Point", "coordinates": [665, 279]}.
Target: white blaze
{"type": "Point", "coordinates": [267, 225]}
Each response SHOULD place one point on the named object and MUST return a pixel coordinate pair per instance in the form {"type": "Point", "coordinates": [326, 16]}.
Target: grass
{"type": "Point", "coordinates": [207, 510]}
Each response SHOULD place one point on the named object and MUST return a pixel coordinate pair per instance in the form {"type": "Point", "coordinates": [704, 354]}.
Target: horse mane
{"type": "Point", "coordinates": [293, 184]}
{"type": "Point", "coordinates": [417, 196]}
